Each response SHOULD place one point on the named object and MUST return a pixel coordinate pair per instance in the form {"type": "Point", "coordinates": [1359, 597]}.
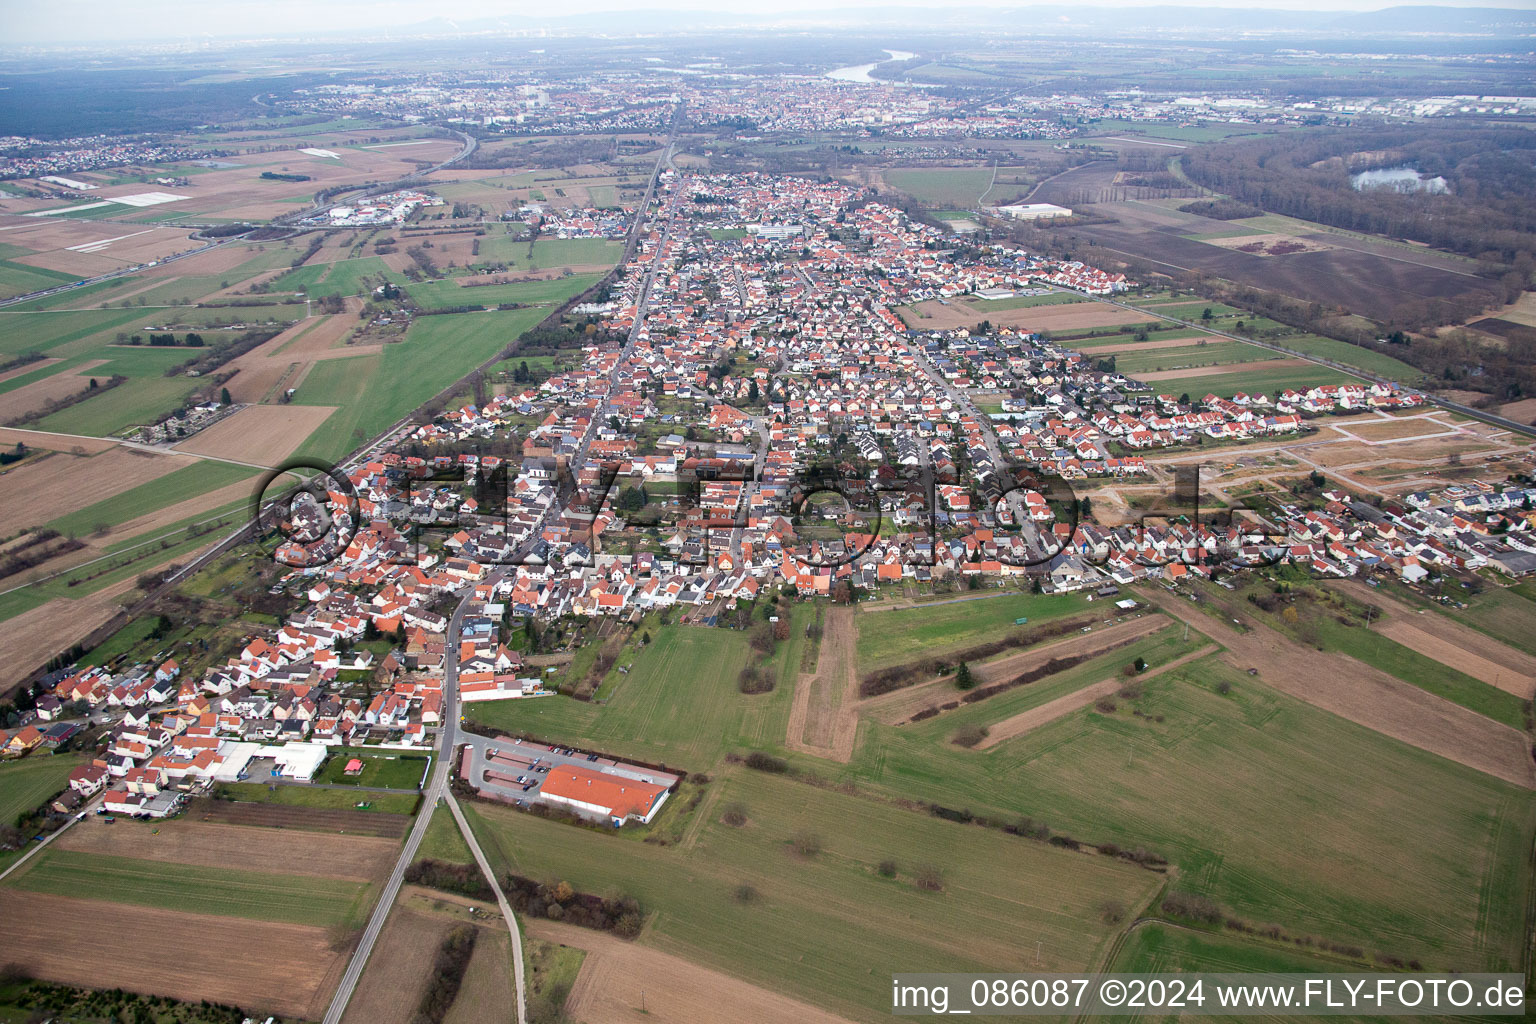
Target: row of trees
{"type": "Point", "coordinates": [1486, 214]}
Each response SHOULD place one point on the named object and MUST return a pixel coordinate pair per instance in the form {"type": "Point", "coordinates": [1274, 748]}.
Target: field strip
{"type": "Point", "coordinates": [102, 243]}
{"type": "Point", "coordinates": [1034, 718]}
{"type": "Point", "coordinates": [1367, 696]}
{"type": "Point", "coordinates": [149, 949]}
{"type": "Point", "coordinates": [1257, 366]}
{"type": "Point", "coordinates": [1514, 669]}
{"type": "Point", "coordinates": [900, 705]}
{"type": "Point", "coordinates": [1452, 656]}
{"type": "Point", "coordinates": [32, 367]}
{"type": "Point", "coordinates": [823, 720]}
{"type": "Point", "coordinates": [1144, 142]}
{"type": "Point", "coordinates": [358, 858]}
{"type": "Point", "coordinates": [676, 990]}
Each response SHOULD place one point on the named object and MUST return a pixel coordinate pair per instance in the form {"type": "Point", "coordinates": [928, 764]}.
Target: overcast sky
{"type": "Point", "coordinates": [27, 21]}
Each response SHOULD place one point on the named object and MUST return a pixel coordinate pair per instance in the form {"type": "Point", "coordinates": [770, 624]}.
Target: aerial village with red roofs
{"type": "Point", "coordinates": [749, 363]}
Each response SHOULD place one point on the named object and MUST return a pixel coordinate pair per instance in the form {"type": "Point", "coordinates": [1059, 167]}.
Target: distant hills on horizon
{"type": "Point", "coordinates": [1057, 19]}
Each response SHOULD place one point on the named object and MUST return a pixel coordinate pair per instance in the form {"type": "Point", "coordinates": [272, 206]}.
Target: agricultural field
{"type": "Point", "coordinates": [678, 704]}
{"type": "Point", "coordinates": [891, 637]}
{"type": "Point", "coordinates": [949, 187]}
{"type": "Point", "coordinates": [26, 783]}
{"type": "Point", "coordinates": [1128, 778]}
{"type": "Point", "coordinates": [372, 392]}
{"type": "Point", "coordinates": [1266, 377]}
{"type": "Point", "coordinates": [137, 905]}
{"type": "Point", "coordinates": [825, 926]}
{"type": "Point", "coordinates": [188, 481]}
{"type": "Point", "coordinates": [196, 889]}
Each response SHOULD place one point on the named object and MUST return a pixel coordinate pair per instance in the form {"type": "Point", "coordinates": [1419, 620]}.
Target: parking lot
{"type": "Point", "coordinates": [514, 769]}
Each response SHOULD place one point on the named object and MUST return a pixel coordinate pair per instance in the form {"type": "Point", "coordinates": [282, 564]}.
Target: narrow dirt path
{"type": "Point", "coordinates": [823, 719]}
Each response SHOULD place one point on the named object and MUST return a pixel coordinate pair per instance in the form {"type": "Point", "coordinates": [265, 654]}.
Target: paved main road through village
{"type": "Point", "coordinates": [437, 789]}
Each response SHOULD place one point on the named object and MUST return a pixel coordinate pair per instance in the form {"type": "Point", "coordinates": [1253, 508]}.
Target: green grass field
{"type": "Point", "coordinates": [178, 485]}
{"type": "Point", "coordinates": [1282, 813]}
{"type": "Point", "coordinates": [1216, 352]}
{"type": "Point", "coordinates": [53, 333]}
{"type": "Point", "coordinates": [1269, 382]}
{"type": "Point", "coordinates": [1156, 947]}
{"type": "Point", "coordinates": [448, 292]}
{"type": "Point", "coordinates": [293, 899]}
{"type": "Point", "coordinates": [1504, 613]}
{"type": "Point", "coordinates": [1186, 310]}
{"type": "Point", "coordinates": [905, 634]}
{"type": "Point", "coordinates": [28, 782]}
{"type": "Point", "coordinates": [678, 704]}
{"type": "Point", "coordinates": [20, 278]}
{"type": "Point", "coordinates": [385, 769]}
{"type": "Point", "coordinates": [1023, 301]}
{"type": "Point", "coordinates": [443, 840]}
{"type": "Point", "coordinates": [830, 928]}
{"type": "Point", "coordinates": [136, 401]}
{"type": "Point", "coordinates": [1351, 355]}
{"type": "Point", "coordinates": [1316, 623]}
{"type": "Point", "coordinates": [343, 277]}
{"type": "Point", "coordinates": [316, 796]}
{"type": "Point", "coordinates": [950, 187]}
{"type": "Point", "coordinates": [1426, 673]}
{"type": "Point", "coordinates": [574, 252]}
{"type": "Point", "coordinates": [375, 391]}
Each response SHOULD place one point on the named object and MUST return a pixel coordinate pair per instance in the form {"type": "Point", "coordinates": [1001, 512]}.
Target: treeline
{"type": "Point", "coordinates": [34, 551]}
{"type": "Point", "coordinates": [1505, 369]}
{"type": "Point", "coordinates": [280, 176]}
{"type": "Point", "coordinates": [558, 901]}
{"type": "Point", "coordinates": [464, 879]}
{"type": "Point", "coordinates": [53, 405]}
{"type": "Point", "coordinates": [26, 358]}
{"type": "Point", "coordinates": [897, 676]}
{"type": "Point", "coordinates": [1487, 213]}
{"type": "Point", "coordinates": [1034, 675]}
{"type": "Point", "coordinates": [225, 230]}
{"type": "Point", "coordinates": [1221, 209]}
{"type": "Point", "coordinates": [447, 976]}
{"type": "Point", "coordinates": [221, 352]}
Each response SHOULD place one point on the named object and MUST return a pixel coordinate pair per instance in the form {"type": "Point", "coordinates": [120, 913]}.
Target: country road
{"type": "Point", "coordinates": [437, 789]}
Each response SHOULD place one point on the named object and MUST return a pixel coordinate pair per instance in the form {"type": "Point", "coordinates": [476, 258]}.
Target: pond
{"type": "Point", "coordinates": [1398, 179]}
